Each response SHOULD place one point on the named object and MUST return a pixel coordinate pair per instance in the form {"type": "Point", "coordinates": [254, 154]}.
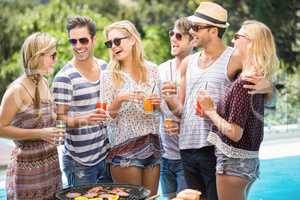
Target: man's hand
{"type": "Point", "coordinates": [260, 84]}
{"type": "Point", "coordinates": [168, 89]}
{"type": "Point", "coordinates": [171, 127]}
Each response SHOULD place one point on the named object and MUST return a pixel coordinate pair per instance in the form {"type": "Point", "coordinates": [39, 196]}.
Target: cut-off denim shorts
{"type": "Point", "coordinates": [244, 168]}
{"type": "Point", "coordinates": [143, 163]}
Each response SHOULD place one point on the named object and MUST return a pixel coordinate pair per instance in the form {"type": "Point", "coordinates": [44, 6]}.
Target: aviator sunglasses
{"type": "Point", "coordinates": [178, 36]}
{"type": "Point", "coordinates": [83, 41]}
{"type": "Point", "coordinates": [115, 41]}
{"type": "Point", "coordinates": [197, 27]}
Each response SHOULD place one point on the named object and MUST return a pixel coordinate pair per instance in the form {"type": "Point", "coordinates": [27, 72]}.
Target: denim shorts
{"type": "Point", "coordinates": [143, 163]}
{"type": "Point", "coordinates": [172, 178]}
{"type": "Point", "coordinates": [241, 167]}
{"type": "Point", "coordinates": [78, 174]}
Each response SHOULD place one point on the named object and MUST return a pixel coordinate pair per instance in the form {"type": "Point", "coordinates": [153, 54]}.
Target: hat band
{"type": "Point", "coordinates": [213, 20]}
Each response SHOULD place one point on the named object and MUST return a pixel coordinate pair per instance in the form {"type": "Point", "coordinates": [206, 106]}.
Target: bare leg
{"type": "Point", "coordinates": [128, 175]}
{"type": "Point", "coordinates": [151, 178]}
{"type": "Point", "coordinates": [231, 187]}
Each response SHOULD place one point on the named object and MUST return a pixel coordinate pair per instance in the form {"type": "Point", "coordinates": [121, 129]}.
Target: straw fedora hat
{"type": "Point", "coordinates": [210, 13]}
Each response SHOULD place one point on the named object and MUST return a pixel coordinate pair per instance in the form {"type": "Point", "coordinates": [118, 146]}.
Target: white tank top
{"type": "Point", "coordinates": [194, 129]}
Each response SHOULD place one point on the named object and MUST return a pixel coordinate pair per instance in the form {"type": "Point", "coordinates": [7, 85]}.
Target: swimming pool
{"type": "Point", "coordinates": [279, 180]}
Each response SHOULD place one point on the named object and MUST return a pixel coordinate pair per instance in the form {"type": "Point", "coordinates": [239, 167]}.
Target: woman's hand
{"type": "Point", "coordinates": [206, 103]}
{"type": "Point", "coordinates": [52, 135]}
{"type": "Point", "coordinates": [155, 100]}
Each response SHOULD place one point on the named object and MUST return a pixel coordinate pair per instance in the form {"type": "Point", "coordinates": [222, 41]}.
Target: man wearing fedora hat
{"type": "Point", "coordinates": [211, 69]}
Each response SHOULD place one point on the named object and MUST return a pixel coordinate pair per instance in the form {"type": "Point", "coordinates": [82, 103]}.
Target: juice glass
{"type": "Point", "coordinates": [148, 107]}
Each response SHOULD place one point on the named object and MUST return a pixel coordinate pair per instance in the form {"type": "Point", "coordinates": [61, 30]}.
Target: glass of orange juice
{"type": "Point", "coordinates": [148, 107]}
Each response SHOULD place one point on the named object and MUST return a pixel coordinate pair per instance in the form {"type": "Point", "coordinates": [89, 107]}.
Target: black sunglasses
{"type": "Point", "coordinates": [115, 41]}
{"type": "Point", "coordinates": [197, 27]}
{"type": "Point", "coordinates": [178, 36]}
{"type": "Point", "coordinates": [83, 41]}
{"type": "Point", "coordinates": [53, 56]}
{"type": "Point", "coordinates": [238, 36]}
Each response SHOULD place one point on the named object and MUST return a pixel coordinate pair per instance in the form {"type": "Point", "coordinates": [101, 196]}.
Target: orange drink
{"type": "Point", "coordinates": [101, 105]}
{"type": "Point", "coordinates": [198, 106]}
{"type": "Point", "coordinates": [148, 107]}
{"type": "Point", "coordinates": [168, 122]}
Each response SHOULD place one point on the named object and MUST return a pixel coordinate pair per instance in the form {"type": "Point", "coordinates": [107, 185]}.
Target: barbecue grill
{"type": "Point", "coordinates": [135, 192]}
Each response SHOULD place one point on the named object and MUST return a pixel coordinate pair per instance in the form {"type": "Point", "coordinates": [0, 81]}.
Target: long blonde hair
{"type": "Point", "coordinates": [114, 65]}
{"type": "Point", "coordinates": [34, 47]}
{"type": "Point", "coordinates": [262, 52]}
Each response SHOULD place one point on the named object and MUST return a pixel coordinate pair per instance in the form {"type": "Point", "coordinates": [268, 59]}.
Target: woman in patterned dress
{"type": "Point", "coordinates": [133, 134]}
{"type": "Point", "coordinates": [27, 117]}
{"type": "Point", "coordinates": [238, 120]}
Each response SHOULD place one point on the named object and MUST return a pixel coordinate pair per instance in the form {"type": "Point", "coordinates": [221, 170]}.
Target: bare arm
{"type": "Point", "coordinates": [95, 117]}
{"type": "Point", "coordinates": [260, 85]}
{"type": "Point", "coordinates": [11, 104]}
{"type": "Point", "coordinates": [231, 130]}
{"type": "Point", "coordinates": [176, 103]}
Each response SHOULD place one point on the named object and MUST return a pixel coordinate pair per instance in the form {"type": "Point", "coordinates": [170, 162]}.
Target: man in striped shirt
{"type": "Point", "coordinates": [76, 92]}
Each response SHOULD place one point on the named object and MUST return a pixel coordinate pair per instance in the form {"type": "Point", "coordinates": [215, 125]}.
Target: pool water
{"type": "Point", "coordinates": [279, 180]}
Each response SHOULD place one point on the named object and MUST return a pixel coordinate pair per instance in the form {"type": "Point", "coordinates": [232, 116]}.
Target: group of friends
{"type": "Point", "coordinates": [202, 133]}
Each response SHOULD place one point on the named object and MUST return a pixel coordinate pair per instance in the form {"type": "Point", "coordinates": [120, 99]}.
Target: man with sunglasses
{"type": "Point", "coordinates": [212, 69]}
{"type": "Point", "coordinates": [76, 92]}
{"type": "Point", "coordinates": [171, 171]}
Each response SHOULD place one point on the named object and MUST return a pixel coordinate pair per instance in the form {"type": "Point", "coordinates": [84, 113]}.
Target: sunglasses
{"type": "Point", "coordinates": [83, 41]}
{"type": "Point", "coordinates": [197, 27]}
{"type": "Point", "coordinates": [115, 41]}
{"type": "Point", "coordinates": [53, 56]}
{"type": "Point", "coordinates": [178, 36]}
{"type": "Point", "coordinates": [238, 36]}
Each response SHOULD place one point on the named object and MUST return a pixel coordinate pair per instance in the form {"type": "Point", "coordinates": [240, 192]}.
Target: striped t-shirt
{"type": "Point", "coordinates": [88, 145]}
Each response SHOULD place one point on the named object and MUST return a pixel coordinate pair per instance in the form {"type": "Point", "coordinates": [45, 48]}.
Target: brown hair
{"type": "Point", "coordinates": [82, 21]}
{"type": "Point", "coordinates": [34, 47]}
{"type": "Point", "coordinates": [183, 25]}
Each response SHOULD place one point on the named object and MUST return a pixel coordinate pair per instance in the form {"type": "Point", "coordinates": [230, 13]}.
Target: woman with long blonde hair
{"type": "Point", "coordinates": [238, 120]}
{"type": "Point", "coordinates": [133, 133]}
{"type": "Point", "coordinates": [27, 117]}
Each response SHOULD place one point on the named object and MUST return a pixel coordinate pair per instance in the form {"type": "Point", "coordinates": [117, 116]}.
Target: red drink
{"type": "Point", "coordinates": [101, 105]}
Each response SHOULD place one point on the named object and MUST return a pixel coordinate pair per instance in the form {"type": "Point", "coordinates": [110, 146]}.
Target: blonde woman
{"type": "Point", "coordinates": [238, 120]}
{"type": "Point", "coordinates": [133, 133]}
{"type": "Point", "coordinates": [27, 117]}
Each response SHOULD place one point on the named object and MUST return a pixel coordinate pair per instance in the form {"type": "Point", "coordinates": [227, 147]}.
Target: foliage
{"type": "Point", "coordinates": [153, 19]}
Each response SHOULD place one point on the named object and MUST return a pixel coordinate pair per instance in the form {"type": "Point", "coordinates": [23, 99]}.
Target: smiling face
{"type": "Point", "coordinates": [181, 44]}
{"type": "Point", "coordinates": [83, 44]}
{"type": "Point", "coordinates": [121, 44]}
{"type": "Point", "coordinates": [201, 34]}
{"type": "Point", "coordinates": [241, 43]}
